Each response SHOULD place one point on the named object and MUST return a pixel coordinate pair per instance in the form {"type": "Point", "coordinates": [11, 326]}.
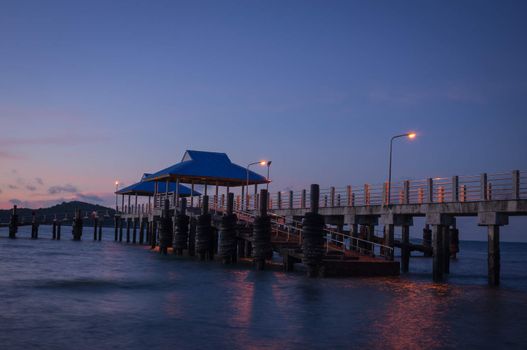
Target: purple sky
{"type": "Point", "coordinates": [93, 91]}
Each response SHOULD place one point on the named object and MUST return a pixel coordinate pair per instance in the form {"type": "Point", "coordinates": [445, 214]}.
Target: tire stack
{"type": "Point", "coordinates": [228, 239]}
{"type": "Point", "coordinates": [181, 234]}
{"type": "Point", "coordinates": [204, 232]}
{"type": "Point", "coordinates": [165, 230]}
{"type": "Point", "coordinates": [313, 242]}
{"type": "Point", "coordinates": [262, 248]}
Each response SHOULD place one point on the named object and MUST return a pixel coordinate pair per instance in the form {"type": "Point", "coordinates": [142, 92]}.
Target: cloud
{"type": "Point", "coordinates": [31, 188]}
{"type": "Point", "coordinates": [39, 181]}
{"type": "Point", "coordinates": [19, 203]}
{"type": "Point", "coordinates": [60, 189]}
{"type": "Point", "coordinates": [9, 155]}
{"type": "Point", "coordinates": [12, 187]}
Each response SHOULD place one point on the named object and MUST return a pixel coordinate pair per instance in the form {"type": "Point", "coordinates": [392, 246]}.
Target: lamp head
{"type": "Point", "coordinates": [411, 135]}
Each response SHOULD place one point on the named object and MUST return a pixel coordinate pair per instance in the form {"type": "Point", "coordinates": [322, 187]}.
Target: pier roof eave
{"type": "Point", "coordinates": [147, 188]}
{"type": "Point", "coordinates": [211, 168]}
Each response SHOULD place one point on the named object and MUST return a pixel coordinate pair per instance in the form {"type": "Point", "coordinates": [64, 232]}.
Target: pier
{"type": "Point", "coordinates": [333, 231]}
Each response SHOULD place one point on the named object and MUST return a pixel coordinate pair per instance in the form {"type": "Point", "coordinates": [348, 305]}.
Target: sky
{"type": "Point", "coordinates": [97, 91]}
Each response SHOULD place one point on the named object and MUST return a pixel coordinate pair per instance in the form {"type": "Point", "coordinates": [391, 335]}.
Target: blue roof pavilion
{"type": "Point", "coordinates": [212, 168]}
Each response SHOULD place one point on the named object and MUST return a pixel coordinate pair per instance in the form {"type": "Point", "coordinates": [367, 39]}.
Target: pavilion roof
{"type": "Point", "coordinates": [146, 188]}
{"type": "Point", "coordinates": [211, 168]}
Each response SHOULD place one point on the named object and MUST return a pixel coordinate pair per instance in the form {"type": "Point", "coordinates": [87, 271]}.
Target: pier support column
{"type": "Point", "coordinates": [494, 255]}
{"type": "Point", "coordinates": [127, 230]}
{"type": "Point", "coordinates": [440, 224]}
{"type": "Point", "coordinates": [34, 226]}
{"type": "Point", "coordinates": [204, 240]}
{"type": "Point", "coordinates": [100, 230]}
{"type": "Point", "coordinates": [95, 228]}
{"type": "Point", "coordinates": [54, 229]}
{"type": "Point", "coordinates": [165, 232]}
{"type": "Point", "coordinates": [13, 223]}
{"type": "Point", "coordinates": [77, 226]}
{"type": "Point", "coordinates": [181, 234]}
{"type": "Point", "coordinates": [228, 232]}
{"type": "Point", "coordinates": [389, 230]}
{"type": "Point", "coordinates": [313, 236]}
{"type": "Point", "coordinates": [437, 246]}
{"type": "Point", "coordinates": [59, 225]}
{"type": "Point", "coordinates": [405, 248]}
{"type": "Point", "coordinates": [193, 222]}
{"type": "Point", "coordinates": [121, 223]}
{"type": "Point", "coordinates": [446, 248]}
{"type": "Point", "coordinates": [427, 241]}
{"type": "Point", "coordinates": [116, 227]}
{"type": "Point", "coordinates": [134, 231]}
{"type": "Point", "coordinates": [454, 242]}
{"type": "Point", "coordinates": [493, 221]}
{"type": "Point", "coordinates": [142, 231]}
{"type": "Point", "coordinates": [262, 234]}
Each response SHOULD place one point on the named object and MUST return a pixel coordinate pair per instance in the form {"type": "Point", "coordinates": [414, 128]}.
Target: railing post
{"type": "Point", "coordinates": [516, 184]}
{"type": "Point", "coordinates": [332, 196]}
{"type": "Point", "coordinates": [463, 193]}
{"type": "Point", "coordinates": [303, 199]}
{"type": "Point", "coordinates": [406, 192]}
{"type": "Point", "coordinates": [366, 194]}
{"type": "Point", "coordinates": [483, 187]}
{"type": "Point", "coordinates": [455, 189]}
{"type": "Point", "coordinates": [279, 199]}
{"type": "Point", "coordinates": [290, 199]}
{"type": "Point", "coordinates": [489, 191]}
{"type": "Point", "coordinates": [348, 195]}
{"type": "Point", "coordinates": [441, 194]}
{"type": "Point", "coordinates": [338, 200]}
{"type": "Point", "coordinates": [385, 194]}
{"type": "Point", "coordinates": [352, 199]}
{"type": "Point", "coordinates": [430, 185]}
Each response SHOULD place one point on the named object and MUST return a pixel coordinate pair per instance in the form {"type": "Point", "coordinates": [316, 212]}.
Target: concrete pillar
{"type": "Point", "coordinates": [142, 231]}
{"type": "Point", "coordinates": [389, 239]}
{"type": "Point", "coordinates": [127, 230]}
{"type": "Point", "coordinates": [493, 221]}
{"type": "Point", "coordinates": [454, 242]}
{"type": "Point", "coordinates": [427, 241]}
{"type": "Point", "coordinates": [405, 248]}
{"type": "Point", "coordinates": [446, 249]}
{"type": "Point", "coordinates": [493, 255]}
{"type": "Point", "coordinates": [134, 230]}
{"type": "Point", "coordinates": [438, 260]}
{"type": "Point", "coordinates": [95, 228]}
{"type": "Point", "coordinates": [58, 230]}
{"type": "Point", "coordinates": [121, 221]}
{"type": "Point", "coordinates": [116, 227]}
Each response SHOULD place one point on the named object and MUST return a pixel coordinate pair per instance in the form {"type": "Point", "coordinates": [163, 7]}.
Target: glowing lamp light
{"type": "Point", "coordinates": [263, 162]}
{"type": "Point", "coordinates": [116, 183]}
{"type": "Point", "coordinates": [412, 135]}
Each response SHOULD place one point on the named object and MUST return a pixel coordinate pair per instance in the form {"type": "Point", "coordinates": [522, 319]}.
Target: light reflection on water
{"type": "Point", "coordinates": [88, 295]}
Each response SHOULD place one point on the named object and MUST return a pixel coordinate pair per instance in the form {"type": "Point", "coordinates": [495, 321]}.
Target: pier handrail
{"type": "Point", "coordinates": [357, 244]}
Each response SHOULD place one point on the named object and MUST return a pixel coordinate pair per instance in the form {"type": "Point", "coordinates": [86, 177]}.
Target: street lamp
{"type": "Point", "coordinates": [268, 166]}
{"type": "Point", "coordinates": [411, 136]}
{"type": "Point", "coordinates": [262, 163]}
{"type": "Point", "coordinates": [116, 188]}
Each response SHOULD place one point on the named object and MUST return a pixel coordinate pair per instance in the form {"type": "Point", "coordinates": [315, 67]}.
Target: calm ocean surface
{"type": "Point", "coordinates": [106, 295]}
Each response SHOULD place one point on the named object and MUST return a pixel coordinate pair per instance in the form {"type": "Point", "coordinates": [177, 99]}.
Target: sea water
{"type": "Point", "coordinates": [108, 295]}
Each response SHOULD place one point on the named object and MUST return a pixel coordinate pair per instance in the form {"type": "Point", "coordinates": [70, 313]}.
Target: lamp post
{"type": "Point", "coordinates": [410, 135]}
{"type": "Point", "coordinates": [116, 188]}
{"type": "Point", "coordinates": [267, 184]}
{"type": "Point", "coordinates": [261, 162]}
